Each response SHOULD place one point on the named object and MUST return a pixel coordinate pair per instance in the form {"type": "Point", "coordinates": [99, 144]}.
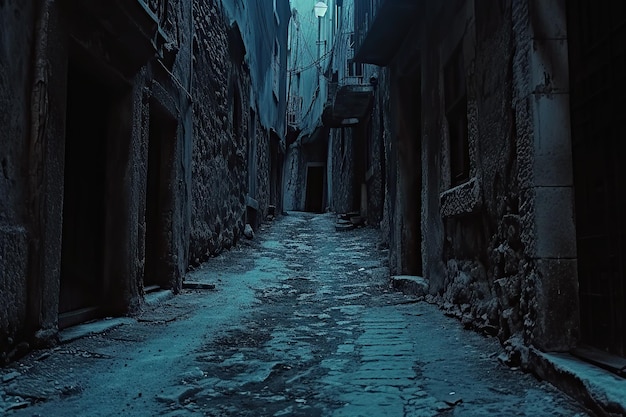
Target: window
{"type": "Point", "coordinates": [355, 69]}
{"type": "Point", "coordinates": [294, 110]}
{"type": "Point", "coordinates": [456, 115]}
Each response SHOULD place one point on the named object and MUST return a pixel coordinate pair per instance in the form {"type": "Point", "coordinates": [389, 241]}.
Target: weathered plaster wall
{"type": "Point", "coordinates": [254, 19]}
{"type": "Point", "coordinates": [307, 59]}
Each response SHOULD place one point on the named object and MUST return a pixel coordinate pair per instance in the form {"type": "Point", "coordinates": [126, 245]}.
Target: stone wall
{"type": "Point", "coordinates": [395, 141]}
{"type": "Point", "coordinates": [540, 77]}
{"type": "Point", "coordinates": [308, 149]}
{"type": "Point", "coordinates": [356, 158]}
{"type": "Point", "coordinates": [169, 188]}
{"type": "Point", "coordinates": [262, 171]}
{"type": "Point", "coordinates": [219, 175]}
{"type": "Point", "coordinates": [16, 18]}
{"type": "Point", "coordinates": [47, 55]}
{"type": "Point", "coordinates": [293, 189]}
{"type": "Point", "coordinates": [343, 170]}
{"type": "Point", "coordinates": [489, 243]}
{"type": "Point", "coordinates": [478, 221]}
{"type": "Point", "coordinates": [375, 174]}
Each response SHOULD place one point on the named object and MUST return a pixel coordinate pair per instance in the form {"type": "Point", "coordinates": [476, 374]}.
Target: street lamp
{"type": "Point", "coordinates": [319, 9]}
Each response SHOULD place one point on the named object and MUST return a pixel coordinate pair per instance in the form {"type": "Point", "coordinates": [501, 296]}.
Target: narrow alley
{"type": "Point", "coordinates": [301, 322]}
{"type": "Point", "coordinates": [312, 207]}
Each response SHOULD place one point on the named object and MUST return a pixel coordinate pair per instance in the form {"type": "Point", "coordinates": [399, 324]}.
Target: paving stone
{"type": "Point", "coordinates": [295, 329]}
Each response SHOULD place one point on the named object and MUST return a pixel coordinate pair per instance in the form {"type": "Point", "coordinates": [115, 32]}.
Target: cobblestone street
{"type": "Point", "coordinates": [302, 323]}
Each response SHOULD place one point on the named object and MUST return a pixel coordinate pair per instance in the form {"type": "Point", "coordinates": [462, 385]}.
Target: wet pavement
{"type": "Point", "coordinates": [302, 323]}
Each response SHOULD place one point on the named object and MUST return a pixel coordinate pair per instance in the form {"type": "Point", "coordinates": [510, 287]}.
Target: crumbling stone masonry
{"type": "Point", "coordinates": [494, 212]}
{"type": "Point", "coordinates": [124, 151]}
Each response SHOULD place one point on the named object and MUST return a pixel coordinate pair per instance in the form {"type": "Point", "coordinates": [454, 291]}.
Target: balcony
{"type": "Point", "coordinates": [351, 104]}
{"type": "Point", "coordinates": [381, 28]}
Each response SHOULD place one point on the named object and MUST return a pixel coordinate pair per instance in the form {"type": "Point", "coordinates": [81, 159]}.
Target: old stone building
{"type": "Point", "coordinates": [501, 122]}
{"type": "Point", "coordinates": [239, 127]}
{"type": "Point", "coordinates": [334, 162]}
{"type": "Point", "coordinates": [311, 39]}
{"type": "Point", "coordinates": [138, 137]}
{"type": "Point", "coordinates": [355, 163]}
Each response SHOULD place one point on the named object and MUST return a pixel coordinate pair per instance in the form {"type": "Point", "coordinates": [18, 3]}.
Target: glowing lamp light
{"type": "Point", "coordinates": [320, 9]}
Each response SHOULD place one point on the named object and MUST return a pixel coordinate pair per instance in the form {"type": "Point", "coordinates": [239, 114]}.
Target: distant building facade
{"type": "Point", "coordinates": [503, 131]}
{"type": "Point", "coordinates": [129, 129]}
{"type": "Point", "coordinates": [311, 42]}
{"type": "Point", "coordinates": [333, 161]}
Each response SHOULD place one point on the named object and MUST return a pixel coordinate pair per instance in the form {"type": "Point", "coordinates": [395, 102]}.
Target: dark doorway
{"type": "Point", "coordinates": [82, 282]}
{"type": "Point", "coordinates": [597, 49]}
{"type": "Point", "coordinates": [161, 147]}
{"type": "Point", "coordinates": [409, 159]}
{"type": "Point", "coordinates": [314, 189]}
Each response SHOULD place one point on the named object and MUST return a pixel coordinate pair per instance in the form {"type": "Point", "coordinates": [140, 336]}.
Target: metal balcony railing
{"type": "Point", "coordinates": [356, 80]}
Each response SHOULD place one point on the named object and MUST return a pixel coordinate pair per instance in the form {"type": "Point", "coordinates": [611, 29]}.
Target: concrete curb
{"type": "Point", "coordinates": [599, 390]}
{"type": "Point", "coordinates": [102, 325]}
{"type": "Point", "coordinates": [158, 297]}
{"type": "Point", "coordinates": [603, 392]}
{"type": "Point", "coordinates": [86, 329]}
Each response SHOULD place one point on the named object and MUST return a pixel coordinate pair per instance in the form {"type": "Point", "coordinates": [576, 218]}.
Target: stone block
{"type": "Point", "coordinates": [557, 307]}
{"type": "Point", "coordinates": [411, 285]}
{"type": "Point", "coordinates": [462, 199]}
{"type": "Point", "coordinates": [555, 231]}
{"type": "Point", "coordinates": [552, 143]}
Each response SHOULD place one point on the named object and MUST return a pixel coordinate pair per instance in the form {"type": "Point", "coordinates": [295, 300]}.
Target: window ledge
{"type": "Point", "coordinates": [462, 199]}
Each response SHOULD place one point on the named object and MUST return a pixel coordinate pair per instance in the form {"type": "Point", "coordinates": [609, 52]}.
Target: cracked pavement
{"type": "Point", "coordinates": [303, 322]}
